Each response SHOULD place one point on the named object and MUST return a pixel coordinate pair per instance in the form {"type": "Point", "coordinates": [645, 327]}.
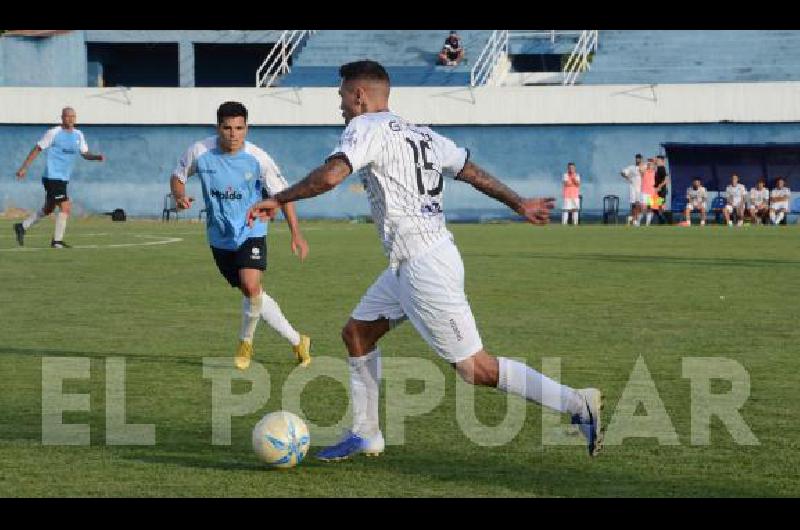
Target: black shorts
{"type": "Point", "coordinates": [252, 254]}
{"type": "Point", "coordinates": [55, 190]}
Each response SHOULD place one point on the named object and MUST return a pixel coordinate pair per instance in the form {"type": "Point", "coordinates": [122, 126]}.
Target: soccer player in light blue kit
{"type": "Point", "coordinates": [235, 175]}
{"type": "Point", "coordinates": [63, 144]}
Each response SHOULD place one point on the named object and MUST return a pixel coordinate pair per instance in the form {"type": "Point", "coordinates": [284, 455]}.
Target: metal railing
{"type": "Point", "coordinates": [495, 49]}
{"type": "Point", "coordinates": [536, 33]}
{"type": "Point", "coordinates": [578, 61]}
{"type": "Point", "coordinates": [277, 62]}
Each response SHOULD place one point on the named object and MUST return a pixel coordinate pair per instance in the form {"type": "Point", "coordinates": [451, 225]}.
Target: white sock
{"type": "Point", "coordinates": [61, 226]}
{"type": "Point", "coordinates": [517, 378]}
{"type": "Point", "coordinates": [772, 217]}
{"type": "Point", "coordinates": [32, 219]}
{"type": "Point", "coordinates": [251, 312]}
{"type": "Point", "coordinates": [649, 217]}
{"type": "Point", "coordinates": [564, 217]}
{"type": "Point", "coordinates": [779, 218]}
{"type": "Point", "coordinates": [273, 316]}
{"type": "Point", "coordinates": [575, 217]}
{"type": "Point", "coordinates": [365, 377]}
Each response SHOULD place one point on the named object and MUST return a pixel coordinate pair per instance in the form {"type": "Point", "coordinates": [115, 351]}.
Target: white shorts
{"type": "Point", "coordinates": [572, 204]}
{"type": "Point", "coordinates": [780, 207]}
{"type": "Point", "coordinates": [692, 206]}
{"type": "Point", "coordinates": [730, 207]}
{"type": "Point", "coordinates": [429, 291]}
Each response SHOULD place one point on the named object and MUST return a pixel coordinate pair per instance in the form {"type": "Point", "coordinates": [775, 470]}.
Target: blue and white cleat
{"type": "Point", "coordinates": [589, 422]}
{"type": "Point", "coordinates": [351, 444]}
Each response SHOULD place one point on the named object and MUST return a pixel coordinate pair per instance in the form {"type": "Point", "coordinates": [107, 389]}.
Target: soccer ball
{"type": "Point", "coordinates": [281, 439]}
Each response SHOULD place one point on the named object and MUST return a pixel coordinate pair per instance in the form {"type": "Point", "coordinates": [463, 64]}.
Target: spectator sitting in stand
{"type": "Point", "coordinates": [452, 52]}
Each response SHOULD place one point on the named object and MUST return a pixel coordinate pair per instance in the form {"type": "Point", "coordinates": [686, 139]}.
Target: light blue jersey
{"type": "Point", "coordinates": [63, 147]}
{"type": "Point", "coordinates": [232, 183]}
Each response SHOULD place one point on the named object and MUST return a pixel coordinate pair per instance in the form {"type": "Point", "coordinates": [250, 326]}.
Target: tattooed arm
{"type": "Point", "coordinates": [323, 179]}
{"type": "Point", "coordinates": [536, 211]}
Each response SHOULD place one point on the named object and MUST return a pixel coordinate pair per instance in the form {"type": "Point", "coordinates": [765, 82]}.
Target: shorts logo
{"type": "Point", "coordinates": [453, 325]}
{"type": "Point", "coordinates": [256, 253]}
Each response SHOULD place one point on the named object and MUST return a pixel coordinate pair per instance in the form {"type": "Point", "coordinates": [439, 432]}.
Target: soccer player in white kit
{"type": "Point", "coordinates": [63, 144]}
{"type": "Point", "coordinates": [779, 199]}
{"type": "Point", "coordinates": [404, 169]}
{"type": "Point", "coordinates": [633, 174]}
{"type": "Point", "coordinates": [696, 200]}
{"type": "Point", "coordinates": [759, 202]}
{"type": "Point", "coordinates": [736, 194]}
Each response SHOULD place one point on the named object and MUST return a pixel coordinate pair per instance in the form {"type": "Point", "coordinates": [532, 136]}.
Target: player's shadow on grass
{"type": "Point", "coordinates": [233, 461]}
{"type": "Point", "coordinates": [201, 461]}
{"type": "Point", "coordinates": [634, 258]}
{"type": "Point", "coordinates": [157, 358]}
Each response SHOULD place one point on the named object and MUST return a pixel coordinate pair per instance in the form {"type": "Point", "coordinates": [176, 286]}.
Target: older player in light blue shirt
{"type": "Point", "coordinates": [63, 145]}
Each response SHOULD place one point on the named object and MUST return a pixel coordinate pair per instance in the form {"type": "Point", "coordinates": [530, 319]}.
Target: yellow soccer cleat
{"type": "Point", "coordinates": [243, 355]}
{"type": "Point", "coordinates": [303, 351]}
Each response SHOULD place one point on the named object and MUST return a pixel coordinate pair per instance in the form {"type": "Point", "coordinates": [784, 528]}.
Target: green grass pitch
{"type": "Point", "coordinates": [597, 297]}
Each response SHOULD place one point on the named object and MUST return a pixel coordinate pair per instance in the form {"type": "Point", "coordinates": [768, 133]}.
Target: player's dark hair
{"type": "Point", "coordinates": [762, 179]}
{"type": "Point", "coordinates": [571, 164]}
{"type": "Point", "coordinates": [638, 155]}
{"type": "Point", "coordinates": [231, 109]}
{"type": "Point", "coordinates": [369, 70]}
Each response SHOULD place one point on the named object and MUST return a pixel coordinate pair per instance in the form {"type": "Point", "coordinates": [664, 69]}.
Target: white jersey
{"type": "Point", "coordinates": [780, 197]}
{"type": "Point", "coordinates": [402, 167]}
{"type": "Point", "coordinates": [735, 194]}
{"type": "Point", "coordinates": [759, 198]}
{"type": "Point", "coordinates": [634, 178]}
{"type": "Point", "coordinates": [694, 196]}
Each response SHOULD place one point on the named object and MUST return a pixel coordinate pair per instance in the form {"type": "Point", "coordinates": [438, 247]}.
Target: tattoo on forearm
{"type": "Point", "coordinates": [311, 186]}
{"type": "Point", "coordinates": [489, 185]}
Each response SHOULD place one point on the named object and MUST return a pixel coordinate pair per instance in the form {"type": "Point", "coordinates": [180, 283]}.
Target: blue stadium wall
{"type": "Point", "coordinates": [530, 158]}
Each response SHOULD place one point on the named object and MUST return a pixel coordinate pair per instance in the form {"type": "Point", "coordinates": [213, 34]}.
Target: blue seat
{"type": "Point", "coordinates": [717, 205]}
{"type": "Point", "coordinates": [610, 209]}
{"type": "Point", "coordinates": [794, 212]}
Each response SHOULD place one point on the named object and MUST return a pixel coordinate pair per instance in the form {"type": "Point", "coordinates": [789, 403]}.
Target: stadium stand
{"type": "Point", "coordinates": [409, 56]}
{"type": "Point", "coordinates": [694, 56]}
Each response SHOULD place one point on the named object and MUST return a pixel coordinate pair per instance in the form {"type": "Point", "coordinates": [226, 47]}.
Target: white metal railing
{"type": "Point", "coordinates": [496, 48]}
{"type": "Point", "coordinates": [578, 61]}
{"type": "Point", "coordinates": [535, 33]}
{"type": "Point", "coordinates": [277, 62]}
